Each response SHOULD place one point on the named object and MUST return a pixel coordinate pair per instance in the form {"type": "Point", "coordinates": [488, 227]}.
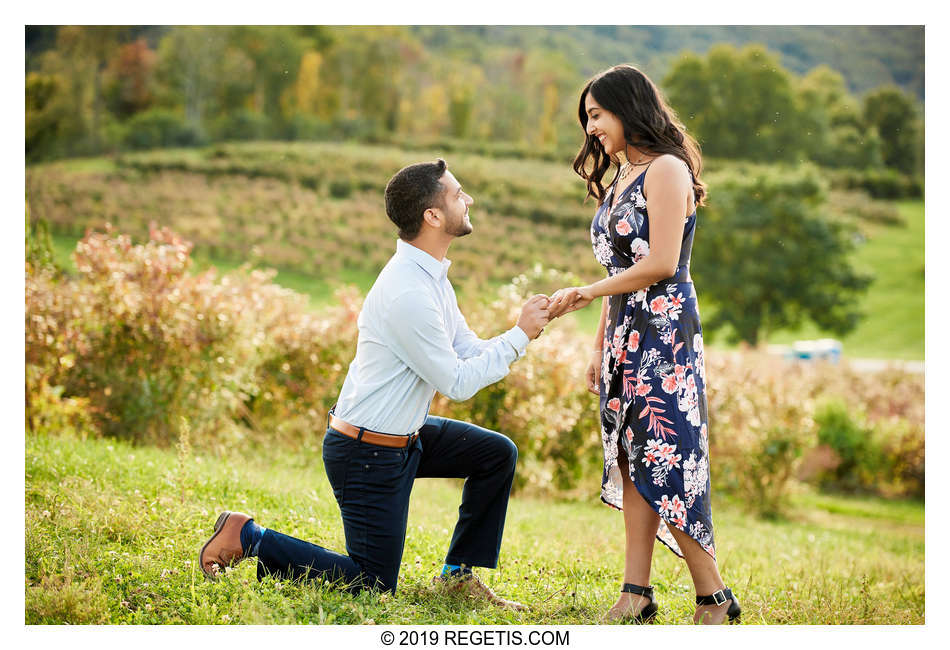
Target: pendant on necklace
{"type": "Point", "coordinates": [624, 170]}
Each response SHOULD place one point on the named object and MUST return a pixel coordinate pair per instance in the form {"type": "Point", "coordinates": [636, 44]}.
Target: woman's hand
{"type": "Point", "coordinates": [569, 299]}
{"type": "Point", "coordinates": [593, 372]}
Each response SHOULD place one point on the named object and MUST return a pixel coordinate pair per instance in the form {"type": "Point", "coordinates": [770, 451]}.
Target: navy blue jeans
{"type": "Point", "coordinates": [372, 485]}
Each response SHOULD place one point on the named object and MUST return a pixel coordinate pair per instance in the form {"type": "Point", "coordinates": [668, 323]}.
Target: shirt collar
{"type": "Point", "coordinates": [429, 264]}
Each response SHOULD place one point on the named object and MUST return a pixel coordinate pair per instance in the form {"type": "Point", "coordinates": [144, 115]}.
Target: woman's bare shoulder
{"type": "Point", "coordinates": [667, 169]}
{"type": "Point", "coordinates": [668, 165]}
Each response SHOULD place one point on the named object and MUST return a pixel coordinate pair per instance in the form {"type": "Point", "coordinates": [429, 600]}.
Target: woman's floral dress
{"type": "Point", "coordinates": [652, 385]}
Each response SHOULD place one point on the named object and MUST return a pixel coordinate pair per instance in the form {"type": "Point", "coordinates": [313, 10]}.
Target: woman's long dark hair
{"type": "Point", "coordinates": [648, 124]}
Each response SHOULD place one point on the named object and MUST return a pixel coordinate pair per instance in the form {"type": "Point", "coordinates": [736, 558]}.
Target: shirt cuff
{"type": "Point", "coordinates": [517, 339]}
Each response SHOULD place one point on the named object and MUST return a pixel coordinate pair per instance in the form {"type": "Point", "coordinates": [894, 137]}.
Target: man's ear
{"type": "Point", "coordinates": [432, 217]}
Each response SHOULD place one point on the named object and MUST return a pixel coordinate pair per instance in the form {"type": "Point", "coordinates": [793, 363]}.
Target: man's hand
{"type": "Point", "coordinates": [569, 299]}
{"type": "Point", "coordinates": [534, 316]}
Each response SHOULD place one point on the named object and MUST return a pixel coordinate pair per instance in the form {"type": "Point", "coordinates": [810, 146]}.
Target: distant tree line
{"type": "Point", "coordinates": [97, 89]}
{"type": "Point", "coordinates": [741, 104]}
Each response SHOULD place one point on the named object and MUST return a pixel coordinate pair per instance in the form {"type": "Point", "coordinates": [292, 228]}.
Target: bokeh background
{"type": "Point", "coordinates": [204, 214]}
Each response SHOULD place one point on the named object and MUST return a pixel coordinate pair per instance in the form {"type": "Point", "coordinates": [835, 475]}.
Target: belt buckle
{"type": "Point", "coordinates": [719, 595]}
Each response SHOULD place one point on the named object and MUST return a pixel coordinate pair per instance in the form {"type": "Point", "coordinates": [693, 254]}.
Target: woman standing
{"type": "Point", "coordinates": [647, 362]}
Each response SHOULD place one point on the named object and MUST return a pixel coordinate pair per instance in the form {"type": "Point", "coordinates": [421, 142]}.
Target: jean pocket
{"type": "Point", "coordinates": [338, 451]}
{"type": "Point", "coordinates": [377, 472]}
{"type": "Point", "coordinates": [371, 457]}
{"type": "Point", "coordinates": [336, 445]}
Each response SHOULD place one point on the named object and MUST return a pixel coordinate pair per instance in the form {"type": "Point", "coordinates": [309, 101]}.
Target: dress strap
{"type": "Point", "coordinates": [646, 168]}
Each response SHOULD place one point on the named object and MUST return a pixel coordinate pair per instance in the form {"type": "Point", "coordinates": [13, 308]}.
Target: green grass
{"type": "Point", "coordinates": [319, 290]}
{"type": "Point", "coordinates": [904, 512]}
{"type": "Point", "coordinates": [89, 165]}
{"type": "Point", "coordinates": [63, 247]}
{"type": "Point", "coordinates": [113, 531]}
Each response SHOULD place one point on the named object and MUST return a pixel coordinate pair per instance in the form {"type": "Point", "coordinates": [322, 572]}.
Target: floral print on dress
{"type": "Point", "coordinates": [602, 250]}
{"type": "Point", "coordinates": [653, 378]}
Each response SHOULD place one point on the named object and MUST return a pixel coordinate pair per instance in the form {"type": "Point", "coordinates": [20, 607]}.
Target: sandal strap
{"type": "Point", "coordinates": [637, 589]}
{"type": "Point", "coordinates": [715, 598]}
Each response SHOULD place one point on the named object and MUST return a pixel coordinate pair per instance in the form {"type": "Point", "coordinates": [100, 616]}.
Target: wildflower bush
{"type": "Point", "coordinates": [759, 427]}
{"type": "Point", "coordinates": [888, 407]}
{"type": "Point", "coordinates": [862, 456]}
{"type": "Point", "coordinates": [142, 339]}
{"type": "Point", "coordinates": [307, 357]}
{"type": "Point", "coordinates": [147, 343]}
{"type": "Point", "coordinates": [49, 412]}
{"type": "Point", "coordinates": [775, 423]}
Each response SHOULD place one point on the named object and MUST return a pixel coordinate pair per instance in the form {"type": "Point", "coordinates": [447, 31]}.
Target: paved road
{"type": "Point", "coordinates": [868, 365]}
{"type": "Point", "coordinates": [874, 365]}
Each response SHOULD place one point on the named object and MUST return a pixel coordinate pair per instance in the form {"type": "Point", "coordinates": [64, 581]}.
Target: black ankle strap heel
{"type": "Point", "coordinates": [648, 613]}
{"type": "Point", "coordinates": [718, 598]}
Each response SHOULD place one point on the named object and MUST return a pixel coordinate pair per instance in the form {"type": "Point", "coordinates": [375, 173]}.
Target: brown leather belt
{"type": "Point", "coordinates": [372, 437]}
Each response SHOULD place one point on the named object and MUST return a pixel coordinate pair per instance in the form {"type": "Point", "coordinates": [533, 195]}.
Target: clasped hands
{"type": "Point", "coordinates": [540, 310]}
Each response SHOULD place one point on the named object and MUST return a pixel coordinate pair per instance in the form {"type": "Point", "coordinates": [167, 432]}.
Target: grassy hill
{"type": "Point", "coordinates": [314, 212]}
{"type": "Point", "coordinates": [894, 305]}
{"type": "Point", "coordinates": [113, 531]}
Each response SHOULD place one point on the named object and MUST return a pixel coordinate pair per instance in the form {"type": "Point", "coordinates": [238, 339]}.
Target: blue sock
{"type": "Point", "coordinates": [251, 535]}
{"type": "Point", "coordinates": [454, 570]}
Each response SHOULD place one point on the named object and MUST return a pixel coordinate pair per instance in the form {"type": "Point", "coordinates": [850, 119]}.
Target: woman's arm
{"type": "Point", "coordinates": [667, 203]}
{"type": "Point", "coordinates": [592, 375]}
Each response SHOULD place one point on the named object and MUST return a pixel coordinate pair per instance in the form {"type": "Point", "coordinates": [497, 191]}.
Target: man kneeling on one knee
{"type": "Point", "coordinates": [413, 341]}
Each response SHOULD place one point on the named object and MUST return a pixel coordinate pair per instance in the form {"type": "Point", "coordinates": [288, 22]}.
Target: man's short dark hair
{"type": "Point", "coordinates": [412, 191]}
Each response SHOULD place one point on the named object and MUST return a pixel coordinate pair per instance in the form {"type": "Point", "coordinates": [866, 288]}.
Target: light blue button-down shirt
{"type": "Point", "coordinates": [414, 341]}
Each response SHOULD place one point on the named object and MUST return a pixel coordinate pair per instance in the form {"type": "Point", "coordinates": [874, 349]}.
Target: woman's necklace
{"type": "Point", "coordinates": [627, 166]}
{"type": "Point", "coordinates": [622, 174]}
{"type": "Point", "coordinates": [624, 170]}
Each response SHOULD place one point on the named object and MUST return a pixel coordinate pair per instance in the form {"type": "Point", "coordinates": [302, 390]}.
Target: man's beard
{"type": "Point", "coordinates": [460, 229]}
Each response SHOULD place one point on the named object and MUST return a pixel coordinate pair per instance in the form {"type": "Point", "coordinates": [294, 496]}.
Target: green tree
{"type": "Point", "coordinates": [553, 83]}
{"type": "Point", "coordinates": [276, 52]}
{"type": "Point", "coordinates": [689, 89]}
{"type": "Point", "coordinates": [503, 110]}
{"type": "Point", "coordinates": [47, 115]}
{"type": "Point", "coordinates": [376, 71]}
{"type": "Point", "coordinates": [769, 258]}
{"type": "Point", "coordinates": [187, 68]}
{"type": "Point", "coordinates": [65, 108]}
{"type": "Point", "coordinates": [738, 103]}
{"type": "Point", "coordinates": [91, 47]}
{"type": "Point", "coordinates": [894, 114]}
{"type": "Point", "coordinates": [204, 74]}
{"type": "Point", "coordinates": [833, 131]}
{"type": "Point", "coordinates": [462, 96]}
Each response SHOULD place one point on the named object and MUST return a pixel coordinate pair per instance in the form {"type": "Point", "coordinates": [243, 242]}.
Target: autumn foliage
{"type": "Point", "coordinates": [150, 344]}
